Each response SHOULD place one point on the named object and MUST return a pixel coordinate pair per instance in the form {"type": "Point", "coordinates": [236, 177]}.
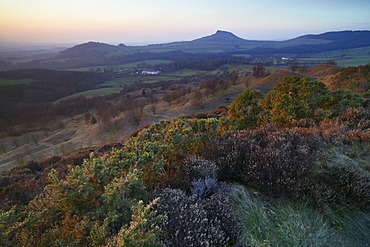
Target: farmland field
{"type": "Point", "coordinates": [4, 82]}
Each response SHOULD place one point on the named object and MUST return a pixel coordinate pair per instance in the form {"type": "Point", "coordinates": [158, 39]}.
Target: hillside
{"type": "Point", "coordinates": [319, 43]}
{"type": "Point", "coordinates": [36, 127]}
{"type": "Point", "coordinates": [87, 49]}
{"type": "Point", "coordinates": [262, 172]}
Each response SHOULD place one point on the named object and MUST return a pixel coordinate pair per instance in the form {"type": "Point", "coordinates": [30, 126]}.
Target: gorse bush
{"type": "Point", "coordinates": [164, 145]}
{"type": "Point", "coordinates": [294, 98]}
{"type": "Point", "coordinates": [103, 200]}
{"type": "Point", "coordinates": [244, 111]}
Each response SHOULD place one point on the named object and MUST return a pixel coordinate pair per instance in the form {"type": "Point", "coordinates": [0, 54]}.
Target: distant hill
{"type": "Point", "coordinates": [227, 42]}
{"type": "Point", "coordinates": [221, 36]}
{"type": "Point", "coordinates": [325, 42]}
{"type": "Point", "coordinates": [87, 49]}
{"type": "Point", "coordinates": [220, 45]}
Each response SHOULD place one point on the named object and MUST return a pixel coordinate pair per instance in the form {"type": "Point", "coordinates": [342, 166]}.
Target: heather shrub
{"type": "Point", "coordinates": [197, 167]}
{"type": "Point", "coordinates": [344, 185]}
{"type": "Point", "coordinates": [196, 221]}
{"type": "Point", "coordinates": [358, 118]}
{"type": "Point", "coordinates": [271, 160]}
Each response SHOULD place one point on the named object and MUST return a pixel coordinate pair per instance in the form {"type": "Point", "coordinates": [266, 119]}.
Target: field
{"type": "Point", "coordinates": [4, 82]}
{"type": "Point", "coordinates": [116, 85]}
{"type": "Point", "coordinates": [344, 58]}
{"type": "Point", "coordinates": [125, 66]}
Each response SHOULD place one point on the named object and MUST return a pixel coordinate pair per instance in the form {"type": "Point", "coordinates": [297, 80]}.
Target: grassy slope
{"type": "Point", "coordinates": [281, 222]}
{"type": "Point", "coordinates": [63, 136]}
{"type": "Point", "coordinates": [271, 222]}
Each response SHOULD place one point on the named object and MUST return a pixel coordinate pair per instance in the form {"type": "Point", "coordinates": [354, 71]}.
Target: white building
{"type": "Point", "coordinates": [150, 72]}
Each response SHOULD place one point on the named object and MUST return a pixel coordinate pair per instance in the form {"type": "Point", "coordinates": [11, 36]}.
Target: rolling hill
{"type": "Point", "coordinates": [222, 44]}
{"type": "Point", "coordinates": [231, 44]}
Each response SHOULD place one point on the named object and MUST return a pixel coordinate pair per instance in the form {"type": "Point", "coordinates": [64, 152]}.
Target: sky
{"type": "Point", "coordinates": [137, 22]}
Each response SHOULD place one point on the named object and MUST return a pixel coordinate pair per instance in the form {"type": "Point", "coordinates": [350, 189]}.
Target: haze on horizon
{"type": "Point", "coordinates": [145, 21]}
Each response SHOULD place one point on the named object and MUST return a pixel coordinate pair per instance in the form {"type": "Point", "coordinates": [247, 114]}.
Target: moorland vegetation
{"type": "Point", "coordinates": [237, 143]}
{"type": "Point", "coordinates": [289, 167]}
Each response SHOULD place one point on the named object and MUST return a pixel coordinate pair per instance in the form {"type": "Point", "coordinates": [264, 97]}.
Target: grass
{"type": "Point", "coordinates": [4, 82]}
{"type": "Point", "coordinates": [344, 58]}
{"type": "Point", "coordinates": [187, 72]}
{"type": "Point", "coordinates": [91, 93]}
{"type": "Point", "coordinates": [125, 65]}
{"type": "Point", "coordinates": [116, 85]}
{"type": "Point", "coordinates": [285, 223]}
{"type": "Point", "coordinates": [147, 63]}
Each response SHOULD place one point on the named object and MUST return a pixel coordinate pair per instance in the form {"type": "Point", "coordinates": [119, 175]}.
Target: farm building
{"type": "Point", "coordinates": [150, 72]}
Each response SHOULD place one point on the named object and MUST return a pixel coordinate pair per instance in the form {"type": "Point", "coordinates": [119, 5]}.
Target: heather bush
{"type": "Point", "coordinates": [356, 118]}
{"type": "Point", "coordinates": [344, 185]}
{"type": "Point", "coordinates": [197, 168]}
{"type": "Point", "coordinates": [271, 160]}
{"type": "Point", "coordinates": [196, 221]}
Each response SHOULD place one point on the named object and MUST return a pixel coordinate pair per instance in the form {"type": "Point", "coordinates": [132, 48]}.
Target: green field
{"type": "Point", "coordinates": [91, 93]}
{"type": "Point", "coordinates": [130, 66]}
{"type": "Point", "coordinates": [116, 85]}
{"type": "Point", "coordinates": [344, 58]}
{"type": "Point", "coordinates": [4, 82]}
{"type": "Point", "coordinates": [187, 72]}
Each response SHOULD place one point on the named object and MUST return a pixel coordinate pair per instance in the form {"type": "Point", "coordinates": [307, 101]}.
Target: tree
{"type": "Point", "coordinates": [294, 67]}
{"type": "Point", "coordinates": [331, 62]}
{"type": "Point", "coordinates": [258, 71]}
{"type": "Point", "coordinates": [211, 86]}
{"type": "Point", "coordinates": [234, 77]}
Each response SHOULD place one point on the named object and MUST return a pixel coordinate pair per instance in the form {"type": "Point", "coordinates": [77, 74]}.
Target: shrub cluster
{"type": "Point", "coordinates": [288, 163]}
{"type": "Point", "coordinates": [271, 160]}
{"type": "Point", "coordinates": [342, 184]}
{"type": "Point", "coordinates": [196, 221]}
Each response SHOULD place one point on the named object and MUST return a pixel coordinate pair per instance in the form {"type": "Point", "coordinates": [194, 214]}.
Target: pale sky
{"type": "Point", "coordinates": [148, 21]}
